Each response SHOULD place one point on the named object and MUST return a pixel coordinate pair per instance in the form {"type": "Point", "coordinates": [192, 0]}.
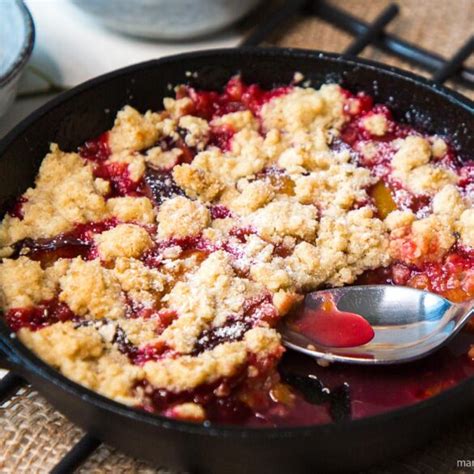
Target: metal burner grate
{"type": "Point", "coordinates": [365, 34]}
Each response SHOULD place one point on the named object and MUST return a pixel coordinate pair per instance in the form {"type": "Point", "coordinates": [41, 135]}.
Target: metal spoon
{"type": "Point", "coordinates": [408, 324]}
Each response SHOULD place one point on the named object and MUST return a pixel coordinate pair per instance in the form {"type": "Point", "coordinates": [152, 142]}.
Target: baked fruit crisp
{"type": "Point", "coordinates": [153, 264]}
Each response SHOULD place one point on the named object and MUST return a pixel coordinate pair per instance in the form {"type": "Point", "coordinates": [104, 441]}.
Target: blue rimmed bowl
{"type": "Point", "coordinates": [17, 36]}
{"type": "Point", "coordinates": [174, 20]}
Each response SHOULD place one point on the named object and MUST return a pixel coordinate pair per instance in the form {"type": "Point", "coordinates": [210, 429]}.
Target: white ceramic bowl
{"type": "Point", "coordinates": [166, 19]}
{"type": "Point", "coordinates": [17, 36]}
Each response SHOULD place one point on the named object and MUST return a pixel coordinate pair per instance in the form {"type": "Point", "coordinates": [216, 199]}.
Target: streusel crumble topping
{"type": "Point", "coordinates": [153, 264]}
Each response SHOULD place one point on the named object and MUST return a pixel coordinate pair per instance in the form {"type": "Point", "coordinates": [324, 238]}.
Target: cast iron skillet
{"type": "Point", "coordinates": [88, 110]}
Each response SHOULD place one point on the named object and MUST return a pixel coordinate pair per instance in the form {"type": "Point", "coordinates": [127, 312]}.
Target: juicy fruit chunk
{"type": "Point", "coordinates": [96, 150]}
{"type": "Point", "coordinates": [118, 175]}
{"type": "Point", "coordinates": [256, 311]}
{"type": "Point", "coordinates": [38, 317]}
{"type": "Point", "coordinates": [16, 210]}
{"type": "Point", "coordinates": [76, 243]}
{"type": "Point", "coordinates": [236, 96]}
{"type": "Point", "coordinates": [383, 199]}
{"type": "Point", "coordinates": [222, 137]}
{"type": "Point", "coordinates": [451, 277]}
{"type": "Point", "coordinates": [280, 181]}
{"type": "Point", "coordinates": [160, 185]}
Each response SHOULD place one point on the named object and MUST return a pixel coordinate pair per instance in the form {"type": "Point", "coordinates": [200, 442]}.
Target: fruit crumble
{"type": "Point", "coordinates": [153, 264]}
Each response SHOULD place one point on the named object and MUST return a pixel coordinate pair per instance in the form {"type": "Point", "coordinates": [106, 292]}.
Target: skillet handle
{"type": "Point", "coordinates": [8, 359]}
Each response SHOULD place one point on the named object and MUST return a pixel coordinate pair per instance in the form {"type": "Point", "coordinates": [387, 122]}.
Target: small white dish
{"type": "Point", "coordinates": [167, 19]}
{"type": "Point", "coordinates": [17, 35]}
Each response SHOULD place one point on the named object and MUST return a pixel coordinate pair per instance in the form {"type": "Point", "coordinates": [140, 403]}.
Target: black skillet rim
{"type": "Point", "coordinates": [26, 361]}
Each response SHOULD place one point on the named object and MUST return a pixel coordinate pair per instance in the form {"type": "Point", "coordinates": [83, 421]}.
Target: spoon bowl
{"type": "Point", "coordinates": [407, 323]}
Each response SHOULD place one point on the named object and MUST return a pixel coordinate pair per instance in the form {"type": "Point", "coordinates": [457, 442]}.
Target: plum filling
{"type": "Point", "coordinates": [241, 233]}
{"type": "Point", "coordinates": [76, 243]}
{"type": "Point", "coordinates": [96, 150]}
{"type": "Point", "coordinates": [160, 185]}
{"type": "Point", "coordinates": [322, 322]}
{"type": "Point", "coordinates": [313, 391]}
{"type": "Point", "coordinates": [466, 177]}
{"type": "Point", "coordinates": [279, 179]}
{"type": "Point", "coordinates": [220, 212]}
{"type": "Point", "coordinates": [140, 355]}
{"type": "Point", "coordinates": [221, 137]}
{"type": "Point", "coordinates": [118, 175]}
{"type": "Point", "coordinates": [451, 277]}
{"type": "Point", "coordinates": [40, 316]}
{"type": "Point", "coordinates": [155, 256]}
{"type": "Point", "coordinates": [200, 245]}
{"type": "Point", "coordinates": [219, 400]}
{"type": "Point", "coordinates": [239, 399]}
{"type": "Point", "coordinates": [187, 152]}
{"type": "Point", "coordinates": [236, 97]}
{"type": "Point", "coordinates": [233, 330]}
{"type": "Point", "coordinates": [375, 152]}
{"type": "Point", "coordinates": [16, 209]}
{"type": "Point", "coordinates": [256, 311]}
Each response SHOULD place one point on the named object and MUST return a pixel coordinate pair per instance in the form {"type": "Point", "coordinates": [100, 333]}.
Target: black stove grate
{"type": "Point", "coordinates": [76, 455]}
{"type": "Point", "coordinates": [364, 34]}
{"type": "Point", "coordinates": [9, 386]}
{"type": "Point", "coordinates": [370, 33]}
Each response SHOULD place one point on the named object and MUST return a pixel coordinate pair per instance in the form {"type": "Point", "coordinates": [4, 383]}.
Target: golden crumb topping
{"type": "Point", "coordinates": [414, 152]}
{"type": "Point", "coordinates": [91, 290]}
{"type": "Point", "coordinates": [189, 411]}
{"type": "Point", "coordinates": [186, 372]}
{"type": "Point", "coordinates": [431, 238]}
{"type": "Point", "coordinates": [237, 120]}
{"type": "Point", "coordinates": [24, 283]}
{"type": "Point", "coordinates": [285, 217]}
{"type": "Point", "coordinates": [196, 183]}
{"type": "Point", "coordinates": [412, 166]}
{"type": "Point", "coordinates": [206, 298]}
{"type": "Point", "coordinates": [197, 131]}
{"type": "Point", "coordinates": [376, 124]}
{"type": "Point", "coordinates": [131, 209]}
{"type": "Point", "coordinates": [448, 203]}
{"type": "Point", "coordinates": [143, 284]}
{"type": "Point", "coordinates": [248, 196]}
{"type": "Point", "coordinates": [304, 109]}
{"type": "Point", "coordinates": [80, 354]}
{"type": "Point", "coordinates": [465, 227]}
{"type": "Point", "coordinates": [399, 219]}
{"type": "Point", "coordinates": [124, 240]}
{"type": "Point", "coordinates": [64, 195]}
{"type": "Point", "coordinates": [181, 217]}
{"type": "Point", "coordinates": [133, 131]}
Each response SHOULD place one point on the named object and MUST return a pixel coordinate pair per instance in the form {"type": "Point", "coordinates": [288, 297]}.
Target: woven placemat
{"type": "Point", "coordinates": [437, 25]}
{"type": "Point", "coordinates": [34, 436]}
